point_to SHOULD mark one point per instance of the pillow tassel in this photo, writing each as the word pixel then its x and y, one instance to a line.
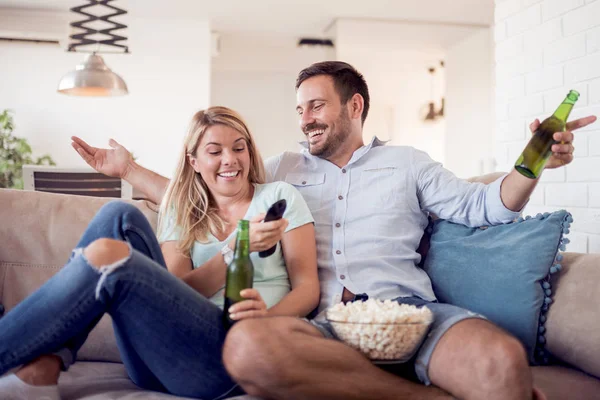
pixel 542 356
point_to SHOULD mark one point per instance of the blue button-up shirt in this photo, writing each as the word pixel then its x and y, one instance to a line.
pixel 370 215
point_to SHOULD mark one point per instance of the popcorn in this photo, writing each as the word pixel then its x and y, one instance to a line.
pixel 381 330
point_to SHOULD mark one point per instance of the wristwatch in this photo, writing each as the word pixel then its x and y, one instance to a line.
pixel 227 254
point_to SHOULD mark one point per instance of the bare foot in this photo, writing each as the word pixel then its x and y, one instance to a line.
pixel 43 371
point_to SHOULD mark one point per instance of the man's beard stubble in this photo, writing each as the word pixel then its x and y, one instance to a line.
pixel 336 136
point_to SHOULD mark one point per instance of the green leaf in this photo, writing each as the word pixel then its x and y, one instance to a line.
pixel 44 160
pixel 14 153
pixel 17 183
pixel 23 147
pixel 6 122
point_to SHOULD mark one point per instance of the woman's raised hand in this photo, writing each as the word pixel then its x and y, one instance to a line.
pixel 114 161
pixel 264 235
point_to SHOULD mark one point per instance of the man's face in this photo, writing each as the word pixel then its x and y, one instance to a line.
pixel 323 119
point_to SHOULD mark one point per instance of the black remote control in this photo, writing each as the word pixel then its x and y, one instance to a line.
pixel 275 212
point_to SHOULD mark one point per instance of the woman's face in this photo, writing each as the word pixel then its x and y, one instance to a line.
pixel 223 161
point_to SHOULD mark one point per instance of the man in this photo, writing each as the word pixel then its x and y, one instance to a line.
pixel 370 204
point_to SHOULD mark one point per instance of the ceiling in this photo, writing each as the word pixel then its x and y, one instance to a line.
pixel 293 17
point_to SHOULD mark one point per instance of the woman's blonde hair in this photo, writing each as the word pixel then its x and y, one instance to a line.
pixel 188 201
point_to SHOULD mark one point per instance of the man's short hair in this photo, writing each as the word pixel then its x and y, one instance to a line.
pixel 347 81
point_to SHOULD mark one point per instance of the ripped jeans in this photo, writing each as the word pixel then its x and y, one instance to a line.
pixel 170 337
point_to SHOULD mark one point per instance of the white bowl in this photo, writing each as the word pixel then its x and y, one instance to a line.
pixel 396 342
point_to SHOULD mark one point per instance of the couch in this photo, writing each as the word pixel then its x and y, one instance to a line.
pixel 52 224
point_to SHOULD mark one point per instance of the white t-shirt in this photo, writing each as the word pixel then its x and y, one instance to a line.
pixel 270 274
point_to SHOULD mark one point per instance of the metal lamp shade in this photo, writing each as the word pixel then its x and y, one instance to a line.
pixel 92 78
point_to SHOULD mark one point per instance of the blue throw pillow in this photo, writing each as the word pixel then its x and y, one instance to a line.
pixel 502 272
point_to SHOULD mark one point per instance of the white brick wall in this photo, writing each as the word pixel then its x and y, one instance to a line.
pixel 523 21
pixel 554 97
pixel 528 106
pixel 566 49
pixel 544 48
pixel 594 195
pixel 595 92
pixel 507 8
pixel 594 145
pixel 554 8
pixel 584 169
pixel 584 68
pixel 594 243
pixel 547 78
pixel 581 19
pixel 567 194
pixel 593 39
pixel 537 38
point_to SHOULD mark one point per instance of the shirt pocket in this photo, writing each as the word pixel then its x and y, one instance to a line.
pixel 381 186
pixel 310 186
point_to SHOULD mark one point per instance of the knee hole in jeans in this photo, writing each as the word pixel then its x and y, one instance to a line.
pixel 102 252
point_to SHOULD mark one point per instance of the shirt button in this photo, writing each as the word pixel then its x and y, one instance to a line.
pixel 342 277
pixel 344 170
pixel 341 197
pixel 338 252
pixel 338 225
pixel 304 182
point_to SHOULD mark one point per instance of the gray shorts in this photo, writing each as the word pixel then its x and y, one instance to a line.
pixel 444 317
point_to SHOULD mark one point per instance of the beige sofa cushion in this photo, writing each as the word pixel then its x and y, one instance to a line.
pixel 108 381
pixel 560 383
pixel 42 228
pixel 38 232
pixel 574 319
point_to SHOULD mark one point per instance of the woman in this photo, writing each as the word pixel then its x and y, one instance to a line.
pixel 165 302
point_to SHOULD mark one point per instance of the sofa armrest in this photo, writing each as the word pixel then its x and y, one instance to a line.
pixel 573 325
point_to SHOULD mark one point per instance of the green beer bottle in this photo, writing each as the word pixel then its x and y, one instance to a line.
pixel 240 272
pixel 538 150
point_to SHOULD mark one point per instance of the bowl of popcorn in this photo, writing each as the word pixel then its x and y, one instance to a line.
pixel 381 330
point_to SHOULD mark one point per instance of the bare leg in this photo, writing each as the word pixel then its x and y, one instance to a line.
pixel 287 358
pixel 43 371
pixel 477 360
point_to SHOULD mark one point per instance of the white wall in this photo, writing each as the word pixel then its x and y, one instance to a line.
pixel 167 72
pixel 543 49
pixel 255 75
pixel 394 58
pixel 469 104
pixel 399 84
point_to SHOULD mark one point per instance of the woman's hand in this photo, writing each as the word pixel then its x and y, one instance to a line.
pixel 111 162
pixel 265 235
pixel 253 307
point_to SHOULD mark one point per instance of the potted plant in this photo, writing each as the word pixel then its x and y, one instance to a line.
pixel 14 153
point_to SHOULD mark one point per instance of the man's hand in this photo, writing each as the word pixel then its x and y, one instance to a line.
pixel 112 162
pixel 562 154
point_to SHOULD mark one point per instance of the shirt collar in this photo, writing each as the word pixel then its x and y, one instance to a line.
pixel 375 142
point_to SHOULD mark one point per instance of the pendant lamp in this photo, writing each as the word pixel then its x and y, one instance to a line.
pixel 93 77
